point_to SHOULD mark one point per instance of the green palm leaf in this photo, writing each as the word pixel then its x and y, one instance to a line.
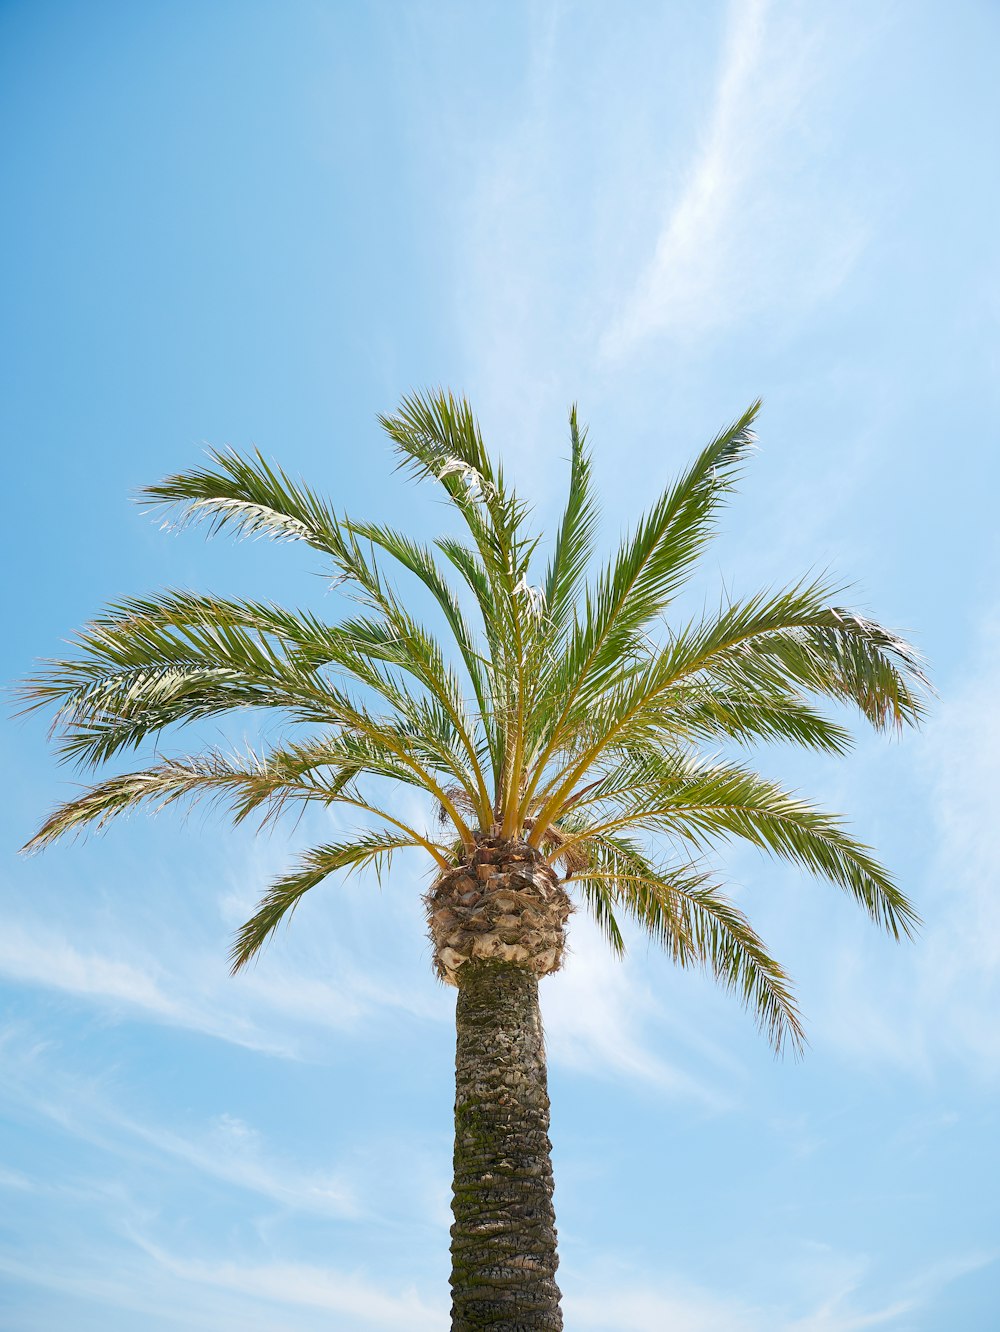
pixel 686 914
pixel 374 850
pixel 575 539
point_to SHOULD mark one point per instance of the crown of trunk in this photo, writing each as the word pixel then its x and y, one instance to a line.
pixel 503 903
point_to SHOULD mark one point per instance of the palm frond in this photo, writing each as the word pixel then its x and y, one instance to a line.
pixel 635 588
pixel 575 538
pixel 695 923
pixel 210 776
pixel 139 674
pixel 797 637
pixel 375 849
pixel 702 804
pixel 437 436
pixel 706 712
pixel 771 644
pixel 250 497
pixel 600 899
pixel 322 772
pixel 420 561
pixel 653 563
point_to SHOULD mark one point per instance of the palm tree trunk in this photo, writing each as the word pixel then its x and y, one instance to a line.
pixel 503 1243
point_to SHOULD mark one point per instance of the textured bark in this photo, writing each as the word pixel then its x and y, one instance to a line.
pixel 504 1238
pixel 503 903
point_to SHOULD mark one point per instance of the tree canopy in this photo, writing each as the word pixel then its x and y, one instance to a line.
pixel 559 703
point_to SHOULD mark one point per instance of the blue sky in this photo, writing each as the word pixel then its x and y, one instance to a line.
pixel 261 224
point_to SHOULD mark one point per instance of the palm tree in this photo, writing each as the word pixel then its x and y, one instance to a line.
pixel 564 732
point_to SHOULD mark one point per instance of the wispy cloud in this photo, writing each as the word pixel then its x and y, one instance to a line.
pixel 167 963
pixel 601 1019
pixel 191 997
pixel 297 1284
pixel 126 1188
pixel 14 1179
pixel 962 761
pixel 39 956
pixel 225 1148
pixel 832 1297
pixel 233 1151
pixel 173 1291
pixel 679 191
pixel 746 231
pixel 650 1309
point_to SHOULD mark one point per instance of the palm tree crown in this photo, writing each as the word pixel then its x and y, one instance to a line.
pixel 563 717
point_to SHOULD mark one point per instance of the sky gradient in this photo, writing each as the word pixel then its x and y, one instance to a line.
pixel 260 224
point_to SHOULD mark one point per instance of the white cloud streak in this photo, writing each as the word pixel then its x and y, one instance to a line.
pixel 831 1294
pixel 193 997
pixel 601 1019
pixel 590 231
pixel 744 233
pixel 171 1291
pixel 297 1284
pixel 234 1152
pixel 226 1149
pixel 167 963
